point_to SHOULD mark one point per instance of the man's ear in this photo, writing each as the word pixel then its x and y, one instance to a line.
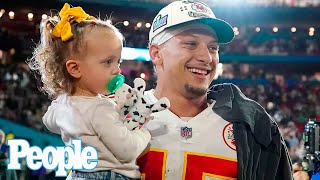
pixel 73 68
pixel 154 52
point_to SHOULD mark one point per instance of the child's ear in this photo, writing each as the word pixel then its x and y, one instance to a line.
pixel 73 68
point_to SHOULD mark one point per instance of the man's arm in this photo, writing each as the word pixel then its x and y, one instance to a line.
pixel 285 165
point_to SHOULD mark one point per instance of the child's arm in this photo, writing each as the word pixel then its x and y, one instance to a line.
pixel 126 145
pixel 49 121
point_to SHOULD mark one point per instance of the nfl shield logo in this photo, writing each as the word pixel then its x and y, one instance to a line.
pixel 186 132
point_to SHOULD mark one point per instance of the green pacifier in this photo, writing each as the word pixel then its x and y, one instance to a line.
pixel 115 83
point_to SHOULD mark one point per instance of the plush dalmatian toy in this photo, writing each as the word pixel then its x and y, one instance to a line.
pixel 131 104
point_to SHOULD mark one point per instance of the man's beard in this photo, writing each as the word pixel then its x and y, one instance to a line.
pixel 194 92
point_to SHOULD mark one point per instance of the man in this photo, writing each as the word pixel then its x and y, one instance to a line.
pixel 222 135
pixel 302 175
pixel 4 172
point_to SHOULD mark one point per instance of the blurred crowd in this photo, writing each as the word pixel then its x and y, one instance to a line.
pixel 299 3
pixel 281 43
pixel 248 42
pixel 291 106
pixel 288 101
pixel 20 98
pixel 291 99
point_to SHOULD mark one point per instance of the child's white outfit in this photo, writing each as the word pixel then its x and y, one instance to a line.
pixel 95 121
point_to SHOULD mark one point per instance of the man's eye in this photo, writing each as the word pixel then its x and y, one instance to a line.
pixel 214 48
pixel 191 43
pixel 108 62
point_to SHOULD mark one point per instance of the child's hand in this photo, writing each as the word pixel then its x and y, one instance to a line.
pixel 141 111
pixel 125 97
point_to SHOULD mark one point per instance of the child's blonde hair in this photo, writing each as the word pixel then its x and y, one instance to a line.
pixel 50 55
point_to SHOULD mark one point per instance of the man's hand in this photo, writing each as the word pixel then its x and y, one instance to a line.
pixel 299 174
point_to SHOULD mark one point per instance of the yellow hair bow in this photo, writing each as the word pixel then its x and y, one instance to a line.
pixel 63 28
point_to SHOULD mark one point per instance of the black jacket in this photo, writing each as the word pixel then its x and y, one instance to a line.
pixel 261 151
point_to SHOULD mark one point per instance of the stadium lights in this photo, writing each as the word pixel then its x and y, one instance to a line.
pixel 143 75
pixel 139 24
pixel 2 11
pixel 12 51
pixel 275 29
pixel 11 15
pixel 219 71
pixel 311 33
pixel 270 105
pixel 235 29
pixel 126 23
pixel 30 16
pixel 44 16
pixel 135 54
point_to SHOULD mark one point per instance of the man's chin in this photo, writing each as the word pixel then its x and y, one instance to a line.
pixel 195 91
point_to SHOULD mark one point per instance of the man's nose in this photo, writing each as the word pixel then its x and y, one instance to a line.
pixel 203 54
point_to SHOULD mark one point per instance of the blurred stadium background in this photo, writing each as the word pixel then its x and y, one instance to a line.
pixel 274 58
